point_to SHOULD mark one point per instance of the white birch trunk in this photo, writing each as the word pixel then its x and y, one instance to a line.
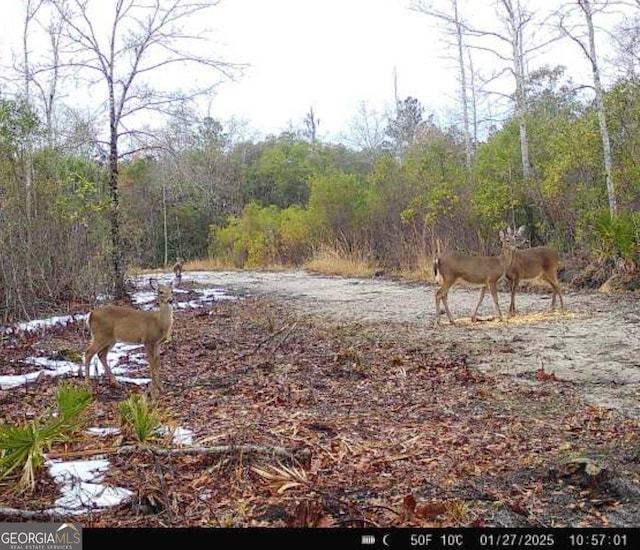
pixel 586 7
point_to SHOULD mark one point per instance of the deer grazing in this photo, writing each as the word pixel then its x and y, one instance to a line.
pixel 110 324
pixel 529 263
pixel 476 270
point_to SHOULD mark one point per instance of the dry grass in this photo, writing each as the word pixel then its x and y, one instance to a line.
pixel 333 263
pixel 206 264
pixel 542 316
pixel 421 272
pixel 327 262
pixel 209 264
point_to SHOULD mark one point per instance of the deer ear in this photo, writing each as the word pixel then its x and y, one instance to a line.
pixel 152 283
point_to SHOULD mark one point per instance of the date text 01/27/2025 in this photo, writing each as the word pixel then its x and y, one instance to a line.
pixel 550 539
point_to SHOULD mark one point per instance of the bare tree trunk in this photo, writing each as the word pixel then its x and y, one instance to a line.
pixel 455 27
pixel 516 20
pixel 589 50
pixel 311 124
pixel 474 102
pixel 164 222
pixel 602 119
pixel 114 191
pixel 49 96
pixel 463 89
pixel 31 10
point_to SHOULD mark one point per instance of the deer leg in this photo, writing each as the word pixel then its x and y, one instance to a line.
pixel 494 295
pixel 512 303
pixel 102 356
pixel 475 311
pixel 88 356
pixel 438 299
pixel 441 296
pixel 154 366
pixel 555 286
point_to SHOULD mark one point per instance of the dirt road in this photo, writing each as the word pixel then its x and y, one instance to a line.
pixel 594 344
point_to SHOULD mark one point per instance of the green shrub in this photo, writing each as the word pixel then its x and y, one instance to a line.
pixel 616 236
pixel 141 417
pixel 24 447
pixel 72 398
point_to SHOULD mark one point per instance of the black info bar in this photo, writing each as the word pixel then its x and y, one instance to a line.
pixel 370 539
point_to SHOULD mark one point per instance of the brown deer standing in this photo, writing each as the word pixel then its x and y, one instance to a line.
pixel 477 270
pixel 178 268
pixel 529 263
pixel 110 324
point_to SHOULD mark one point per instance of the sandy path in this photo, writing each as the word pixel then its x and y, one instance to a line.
pixel 595 344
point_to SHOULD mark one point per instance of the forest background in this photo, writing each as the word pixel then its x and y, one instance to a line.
pixel 87 197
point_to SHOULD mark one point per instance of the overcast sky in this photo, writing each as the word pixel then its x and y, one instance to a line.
pixel 331 55
pixel 335 54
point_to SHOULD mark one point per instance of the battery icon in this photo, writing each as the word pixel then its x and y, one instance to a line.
pixel 368 539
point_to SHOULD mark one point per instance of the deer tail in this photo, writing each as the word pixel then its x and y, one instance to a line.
pixel 436 270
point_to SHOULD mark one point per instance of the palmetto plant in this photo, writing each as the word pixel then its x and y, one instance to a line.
pixel 72 399
pixel 23 448
pixel 141 417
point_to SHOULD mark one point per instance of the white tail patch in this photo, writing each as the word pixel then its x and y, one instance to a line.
pixel 436 268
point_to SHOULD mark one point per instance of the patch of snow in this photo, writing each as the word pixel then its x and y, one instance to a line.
pixel 81 485
pixel 10 381
pixel 120 357
pixel 136 381
pixel 180 436
pixel 38 324
pixel 52 367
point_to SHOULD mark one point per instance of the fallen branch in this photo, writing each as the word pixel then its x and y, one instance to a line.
pixel 32 514
pixel 301 455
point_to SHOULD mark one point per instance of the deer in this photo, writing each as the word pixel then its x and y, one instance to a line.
pixel 486 271
pixel 109 324
pixel 178 268
pixel 530 263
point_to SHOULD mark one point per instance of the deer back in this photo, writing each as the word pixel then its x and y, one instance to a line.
pixel 531 262
pixel 113 323
pixel 473 269
pixel 122 324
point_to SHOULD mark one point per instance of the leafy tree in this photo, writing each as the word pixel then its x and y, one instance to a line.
pixel 337 208
pixel 405 125
pixel 498 192
pixel 142 40
pixel 280 174
pixel 436 173
pixel 295 235
pixel 251 240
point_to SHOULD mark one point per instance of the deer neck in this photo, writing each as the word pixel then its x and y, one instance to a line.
pixel 165 314
pixel 506 258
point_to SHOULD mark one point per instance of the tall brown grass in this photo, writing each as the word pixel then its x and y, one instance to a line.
pixel 332 261
pixel 327 261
